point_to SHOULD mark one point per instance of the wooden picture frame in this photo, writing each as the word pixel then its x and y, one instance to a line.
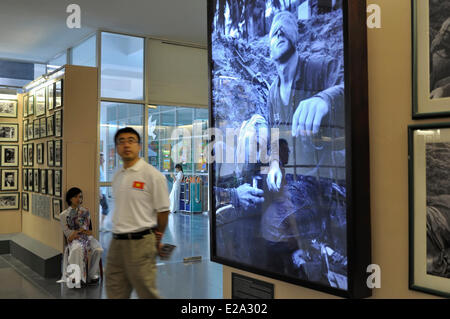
pixel 9 132
pixel 41 101
pixel 58 153
pixel 25 202
pixel 8 108
pixel 9 179
pixel 9 155
pixel 429 208
pixel 50 153
pixel 56 208
pixel 57 182
pixel 9 201
pixel 58 123
pixel 40 153
pixel 431 85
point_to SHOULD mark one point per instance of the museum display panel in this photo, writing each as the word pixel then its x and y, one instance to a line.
pixel 289 177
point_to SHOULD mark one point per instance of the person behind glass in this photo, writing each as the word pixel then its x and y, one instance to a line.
pixel 103 200
pixel 84 249
pixel 175 193
pixel 139 219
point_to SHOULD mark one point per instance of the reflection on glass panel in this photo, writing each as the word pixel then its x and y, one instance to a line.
pixel 122 69
pixel 106 208
pixel 57 62
pixel 114 116
pixel 85 53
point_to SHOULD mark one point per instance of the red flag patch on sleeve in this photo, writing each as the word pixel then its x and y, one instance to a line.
pixel 138 185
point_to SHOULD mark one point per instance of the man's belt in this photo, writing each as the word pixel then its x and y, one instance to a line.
pixel 138 235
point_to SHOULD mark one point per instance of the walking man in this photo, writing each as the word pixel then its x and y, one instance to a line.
pixel 139 220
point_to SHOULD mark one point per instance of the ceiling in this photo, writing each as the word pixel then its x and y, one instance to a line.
pixel 36 30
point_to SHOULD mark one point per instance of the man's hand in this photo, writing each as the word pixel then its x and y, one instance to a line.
pixel 308 116
pixel 274 177
pixel 249 196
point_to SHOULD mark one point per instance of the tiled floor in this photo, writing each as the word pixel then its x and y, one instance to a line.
pixel 176 279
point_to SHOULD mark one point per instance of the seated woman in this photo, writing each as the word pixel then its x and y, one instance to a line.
pixel 84 249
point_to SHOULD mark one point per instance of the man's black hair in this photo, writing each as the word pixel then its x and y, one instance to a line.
pixel 71 193
pixel 127 130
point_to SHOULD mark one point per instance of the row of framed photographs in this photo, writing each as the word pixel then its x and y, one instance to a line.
pixel 54 153
pixel 45 98
pixel 14 197
pixel 43 181
pixel 43 127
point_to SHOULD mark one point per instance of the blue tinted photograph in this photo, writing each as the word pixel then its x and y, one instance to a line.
pixel 278 110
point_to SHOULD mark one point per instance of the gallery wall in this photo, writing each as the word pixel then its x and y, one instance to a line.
pixel 390 104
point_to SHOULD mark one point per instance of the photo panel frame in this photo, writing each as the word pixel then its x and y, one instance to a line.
pixel 59 93
pixel 57 182
pixel 431 72
pixel 40 153
pixel 9 201
pixel 41 101
pixel 30 131
pixel 25 179
pixel 9 179
pixel 328 247
pixel 25 154
pixel 31 104
pixel 25 130
pixel 30 180
pixel 9 132
pixel 50 153
pixel 42 127
pixel 31 154
pixel 9 155
pixel 56 208
pixel 8 108
pixel 43 181
pixel 25 202
pixel 36 129
pixel 51 96
pixel 58 123
pixel 429 208
pixel 36 180
pixel 58 153
pixel 50 182
pixel 50 125
pixel 25 105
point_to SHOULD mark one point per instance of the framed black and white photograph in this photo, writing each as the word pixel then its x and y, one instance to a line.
pixel 9 179
pixel 50 182
pixel 51 96
pixel 30 131
pixel 431 58
pixel 50 153
pixel 24 179
pixel 31 104
pixel 30 180
pixel 9 155
pixel 8 108
pixel 25 106
pixel 57 207
pixel 58 123
pixel 40 102
pixel 25 130
pixel 9 201
pixel 58 153
pixel 57 182
pixel 36 180
pixel 40 153
pixel 429 208
pixel 43 181
pixel 43 127
pixel 59 94
pixel 25 202
pixel 25 154
pixel 36 129
pixel 9 132
pixel 50 125
pixel 283 204
pixel 31 154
